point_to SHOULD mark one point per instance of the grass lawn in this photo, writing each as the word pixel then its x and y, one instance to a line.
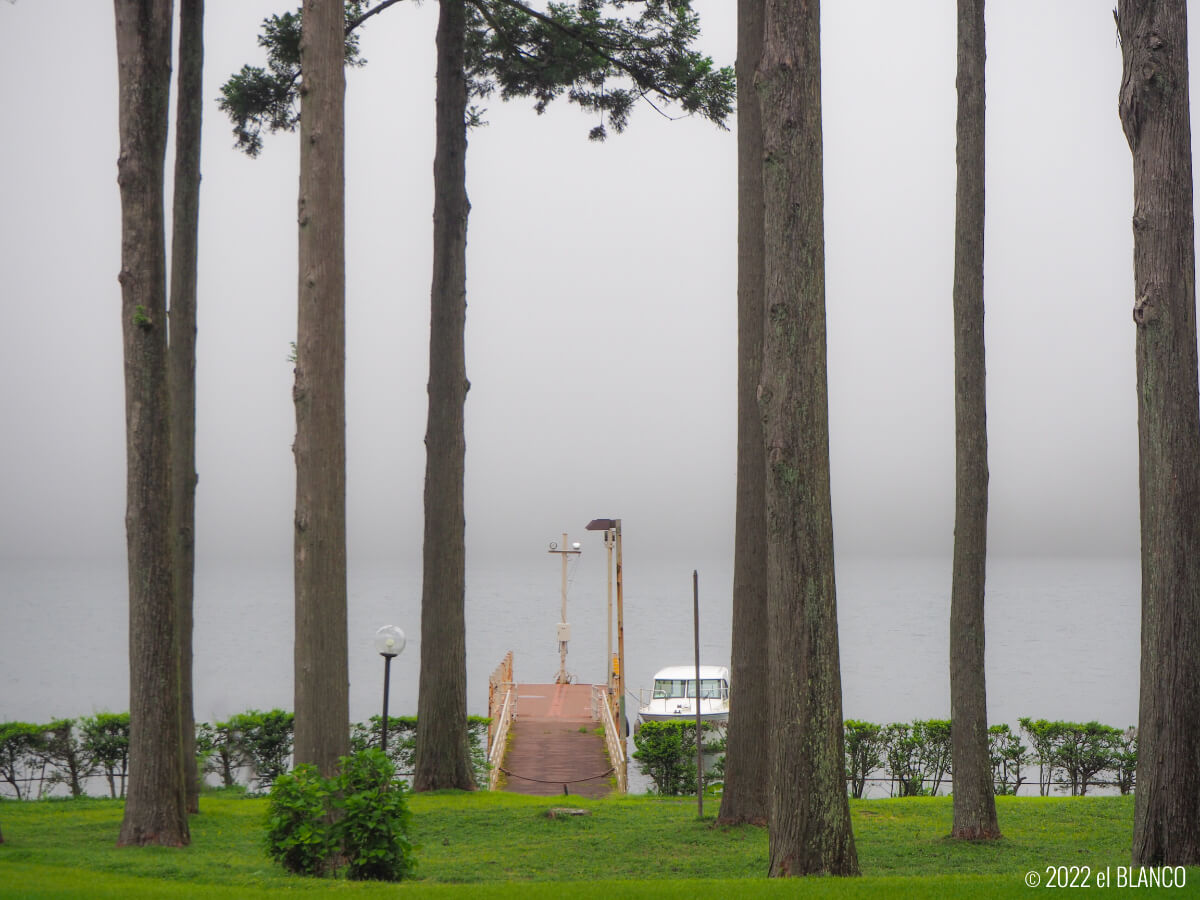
pixel 503 845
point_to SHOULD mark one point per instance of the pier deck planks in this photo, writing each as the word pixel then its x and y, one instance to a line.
pixel 554 743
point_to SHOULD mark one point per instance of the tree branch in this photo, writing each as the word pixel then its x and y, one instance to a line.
pixel 373 12
pixel 586 41
pixel 554 23
pixel 487 17
pixel 654 106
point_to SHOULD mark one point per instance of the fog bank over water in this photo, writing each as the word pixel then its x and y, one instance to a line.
pixel 601 339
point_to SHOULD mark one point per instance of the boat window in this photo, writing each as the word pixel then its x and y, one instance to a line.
pixel 670 688
pixel 666 688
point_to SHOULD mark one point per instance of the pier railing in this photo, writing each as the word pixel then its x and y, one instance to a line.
pixel 602 712
pixel 502 701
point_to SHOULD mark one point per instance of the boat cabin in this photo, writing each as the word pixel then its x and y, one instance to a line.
pixel 673 696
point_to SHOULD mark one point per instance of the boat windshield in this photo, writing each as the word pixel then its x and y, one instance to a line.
pixel 670 688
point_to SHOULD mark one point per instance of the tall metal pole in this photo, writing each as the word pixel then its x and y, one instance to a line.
pixel 622 725
pixel 608 659
pixel 612 535
pixel 564 630
pixel 561 678
pixel 699 742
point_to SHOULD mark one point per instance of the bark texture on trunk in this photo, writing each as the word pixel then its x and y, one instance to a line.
pixel 442 752
pixel 745 799
pixel 322 730
pixel 1155 116
pixel 810 814
pixel 155 811
pixel 974 796
pixel 182 357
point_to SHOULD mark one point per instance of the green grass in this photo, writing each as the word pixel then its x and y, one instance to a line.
pixel 503 845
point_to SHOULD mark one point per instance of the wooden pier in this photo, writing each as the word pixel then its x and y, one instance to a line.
pixel 553 739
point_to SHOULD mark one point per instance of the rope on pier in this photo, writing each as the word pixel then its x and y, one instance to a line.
pixel 555 780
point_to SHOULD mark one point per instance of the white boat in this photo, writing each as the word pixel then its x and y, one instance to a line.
pixel 673 697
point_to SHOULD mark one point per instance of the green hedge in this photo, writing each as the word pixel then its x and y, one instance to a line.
pixel 357 821
pixel 914 759
pixel 252 748
pixel 666 754
pixel 255 747
pixel 402 742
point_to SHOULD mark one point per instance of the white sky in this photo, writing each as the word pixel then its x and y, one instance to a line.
pixel 601 288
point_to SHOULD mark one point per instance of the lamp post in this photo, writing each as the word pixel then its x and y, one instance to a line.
pixel 608 545
pixel 389 641
pixel 612 532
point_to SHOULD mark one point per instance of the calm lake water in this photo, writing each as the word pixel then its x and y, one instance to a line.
pixel 1062 633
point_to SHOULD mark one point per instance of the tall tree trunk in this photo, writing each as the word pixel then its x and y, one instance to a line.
pixel 810 813
pixel 322 723
pixel 155 811
pixel 974 796
pixel 182 357
pixel 442 754
pixel 746 795
pixel 1155 117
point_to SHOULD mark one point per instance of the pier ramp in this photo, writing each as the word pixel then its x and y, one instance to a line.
pixel 556 746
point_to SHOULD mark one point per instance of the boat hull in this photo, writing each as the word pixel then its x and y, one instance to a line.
pixel 716 717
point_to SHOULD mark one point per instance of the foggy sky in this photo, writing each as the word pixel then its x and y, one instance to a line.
pixel 601 289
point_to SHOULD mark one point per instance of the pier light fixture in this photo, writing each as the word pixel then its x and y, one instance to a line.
pixel 389 641
pixel 616 666
pixel 564 629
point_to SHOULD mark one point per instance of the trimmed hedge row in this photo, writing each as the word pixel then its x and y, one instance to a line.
pixel 914 758
pixel 1072 756
pixel 251 748
pixel 66 752
pixel 255 747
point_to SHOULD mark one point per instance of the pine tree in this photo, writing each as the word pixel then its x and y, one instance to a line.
pixel 182 357
pixel 155 807
pixel 810 813
pixel 322 684
pixel 745 798
pixel 974 800
pixel 1156 118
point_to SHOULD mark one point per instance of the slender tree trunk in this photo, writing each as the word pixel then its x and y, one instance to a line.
pixel 182 357
pixel 1155 117
pixel 974 796
pixel 746 795
pixel 155 810
pixel 810 813
pixel 322 714
pixel 442 754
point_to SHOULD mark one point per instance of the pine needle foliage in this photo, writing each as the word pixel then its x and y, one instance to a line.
pixel 602 55
pixel 258 99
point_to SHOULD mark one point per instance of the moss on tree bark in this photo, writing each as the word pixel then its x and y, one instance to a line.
pixel 1156 119
pixel 810 814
